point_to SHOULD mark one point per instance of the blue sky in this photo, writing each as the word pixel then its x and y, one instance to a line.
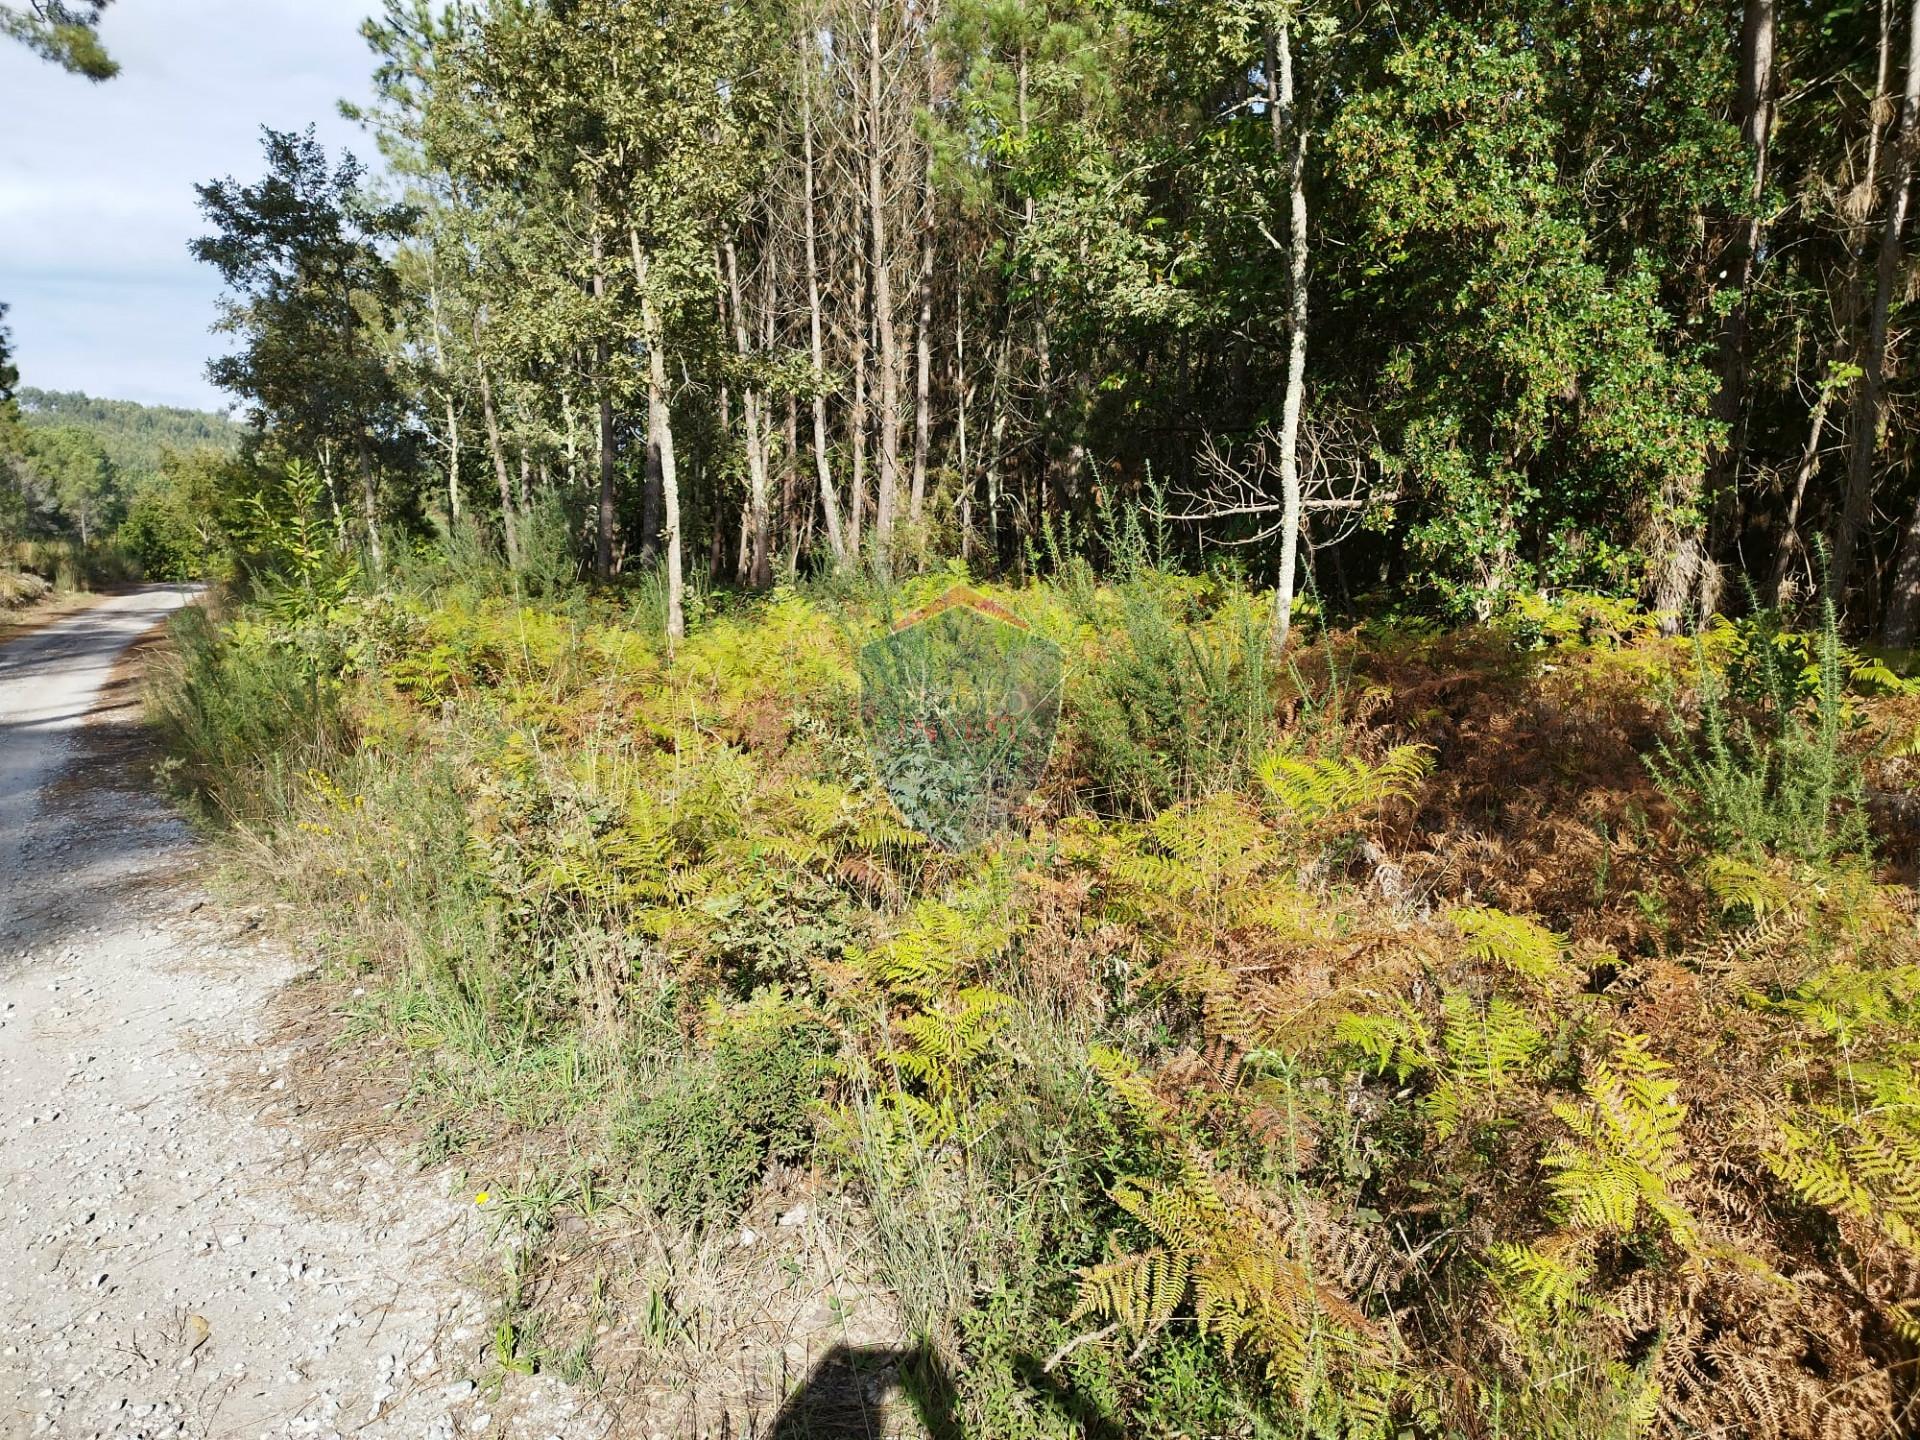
pixel 96 181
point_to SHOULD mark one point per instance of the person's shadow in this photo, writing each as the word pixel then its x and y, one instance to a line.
pixel 855 1393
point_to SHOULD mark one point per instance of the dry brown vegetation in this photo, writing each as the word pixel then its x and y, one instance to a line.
pixel 1422 1067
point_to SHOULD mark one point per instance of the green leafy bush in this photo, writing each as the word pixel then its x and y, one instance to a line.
pixel 704 1133
pixel 241 712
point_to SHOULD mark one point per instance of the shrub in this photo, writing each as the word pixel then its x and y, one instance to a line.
pixel 704 1133
pixel 1171 709
pixel 1781 781
pixel 241 712
pixel 159 535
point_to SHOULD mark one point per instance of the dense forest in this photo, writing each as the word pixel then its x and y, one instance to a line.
pixel 1228 685
pixel 102 489
pixel 1425 308
pixel 134 437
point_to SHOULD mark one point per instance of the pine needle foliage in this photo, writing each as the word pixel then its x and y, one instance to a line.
pixel 1779 782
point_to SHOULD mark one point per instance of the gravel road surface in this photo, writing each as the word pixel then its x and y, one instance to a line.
pixel 180 1254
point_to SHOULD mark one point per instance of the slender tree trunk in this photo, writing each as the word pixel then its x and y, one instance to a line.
pixel 1755 111
pixel 603 382
pixel 758 568
pixel 572 437
pixel 1869 415
pixel 370 502
pixel 881 267
pixel 829 502
pixel 1790 545
pixel 1855 298
pixel 923 329
pixel 333 495
pixel 790 482
pixel 1688 578
pixel 651 500
pixel 1042 337
pixel 453 422
pixel 1290 140
pixel 499 454
pixel 453 462
pixel 660 427
pixel 962 392
pixel 997 444
pixel 923 368
pixel 857 426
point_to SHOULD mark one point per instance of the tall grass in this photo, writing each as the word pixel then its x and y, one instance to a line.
pixel 244 716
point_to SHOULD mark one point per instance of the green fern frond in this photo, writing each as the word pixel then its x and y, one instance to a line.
pixel 1395 1040
pixel 1547 1277
pixel 1125 1082
pixel 1627 1154
pixel 1344 788
pixel 1760 890
pixel 1514 942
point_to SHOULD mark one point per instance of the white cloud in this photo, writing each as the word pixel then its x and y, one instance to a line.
pixel 96 181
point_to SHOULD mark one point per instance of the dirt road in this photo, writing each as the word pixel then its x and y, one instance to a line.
pixel 178 1256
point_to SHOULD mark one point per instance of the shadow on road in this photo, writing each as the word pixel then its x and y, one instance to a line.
pixel 855 1393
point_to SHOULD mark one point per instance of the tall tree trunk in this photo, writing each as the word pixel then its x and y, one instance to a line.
pixel 573 438
pixel 453 421
pixel 758 567
pixel 923 327
pixel 829 502
pixel 963 392
pixel 857 424
pixel 1870 398
pixel 603 382
pixel 651 500
pixel 1754 109
pixel 1858 207
pixel 660 427
pixel 369 501
pixel 1042 337
pixel 1290 140
pixel 881 268
pixel 790 482
pixel 499 454
pixel 923 365
pixel 997 444
pixel 1688 578
pixel 453 462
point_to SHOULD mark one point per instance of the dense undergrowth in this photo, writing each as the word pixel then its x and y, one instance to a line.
pixel 1502 1032
pixel 33 569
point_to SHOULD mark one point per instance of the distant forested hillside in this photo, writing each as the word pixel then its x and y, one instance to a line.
pixel 133 435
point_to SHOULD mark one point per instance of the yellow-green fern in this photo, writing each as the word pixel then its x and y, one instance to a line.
pixel 1344 788
pixel 1625 1155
